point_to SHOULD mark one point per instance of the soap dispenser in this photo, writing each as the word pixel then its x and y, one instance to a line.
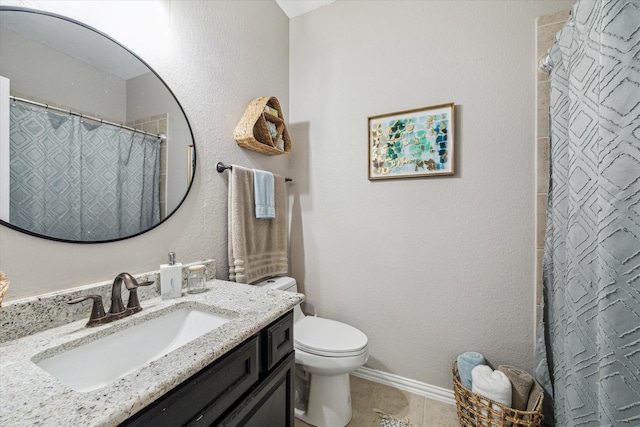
pixel 171 278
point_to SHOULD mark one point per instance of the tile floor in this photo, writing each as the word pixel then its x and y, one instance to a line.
pixel 421 412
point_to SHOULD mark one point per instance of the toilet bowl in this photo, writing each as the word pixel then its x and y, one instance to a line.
pixel 328 351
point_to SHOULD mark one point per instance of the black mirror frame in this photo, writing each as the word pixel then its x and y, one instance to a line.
pixel 195 160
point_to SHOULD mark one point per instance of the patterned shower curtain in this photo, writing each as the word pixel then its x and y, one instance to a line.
pixel 588 352
pixel 73 180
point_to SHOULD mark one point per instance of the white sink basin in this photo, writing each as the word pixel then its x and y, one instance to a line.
pixel 99 363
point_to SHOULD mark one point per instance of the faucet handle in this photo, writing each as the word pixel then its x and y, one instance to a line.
pixel 147 283
pixel 134 303
pixel 130 282
pixel 97 310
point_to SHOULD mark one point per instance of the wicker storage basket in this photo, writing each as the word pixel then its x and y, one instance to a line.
pixel 252 131
pixel 475 410
pixel 4 286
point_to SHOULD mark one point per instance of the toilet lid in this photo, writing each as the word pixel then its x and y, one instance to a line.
pixel 327 337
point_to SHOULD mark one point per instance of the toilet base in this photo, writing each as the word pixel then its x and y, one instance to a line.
pixel 329 401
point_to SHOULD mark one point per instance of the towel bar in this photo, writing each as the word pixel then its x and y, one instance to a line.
pixel 221 167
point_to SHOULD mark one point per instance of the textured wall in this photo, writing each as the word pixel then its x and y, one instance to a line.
pixel 216 56
pixel 427 267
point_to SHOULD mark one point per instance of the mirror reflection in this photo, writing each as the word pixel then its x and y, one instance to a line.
pixel 94 146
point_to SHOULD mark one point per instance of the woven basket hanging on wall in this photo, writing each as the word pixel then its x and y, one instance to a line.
pixel 252 131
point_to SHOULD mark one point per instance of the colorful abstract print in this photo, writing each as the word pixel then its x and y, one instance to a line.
pixel 412 145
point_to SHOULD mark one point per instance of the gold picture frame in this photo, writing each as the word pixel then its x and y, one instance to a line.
pixel 413 143
pixel 191 165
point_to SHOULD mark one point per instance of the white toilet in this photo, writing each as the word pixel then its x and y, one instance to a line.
pixel 328 351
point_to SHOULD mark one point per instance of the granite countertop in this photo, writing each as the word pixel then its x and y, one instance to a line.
pixel 29 396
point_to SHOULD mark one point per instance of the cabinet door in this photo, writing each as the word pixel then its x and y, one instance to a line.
pixel 279 340
pixel 270 404
pixel 206 395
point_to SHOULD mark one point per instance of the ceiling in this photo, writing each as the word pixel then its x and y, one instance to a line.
pixel 295 8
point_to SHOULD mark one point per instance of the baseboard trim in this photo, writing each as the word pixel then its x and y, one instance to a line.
pixel 416 387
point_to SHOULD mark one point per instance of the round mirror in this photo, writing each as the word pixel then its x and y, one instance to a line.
pixel 94 147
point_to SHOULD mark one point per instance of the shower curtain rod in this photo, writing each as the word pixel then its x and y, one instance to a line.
pixel 162 136
pixel 220 167
pixel 545 64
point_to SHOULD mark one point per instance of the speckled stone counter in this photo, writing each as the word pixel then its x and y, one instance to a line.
pixel 29 396
pixel 34 314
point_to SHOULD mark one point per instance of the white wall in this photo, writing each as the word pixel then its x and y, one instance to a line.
pixel 80 86
pixel 216 56
pixel 428 267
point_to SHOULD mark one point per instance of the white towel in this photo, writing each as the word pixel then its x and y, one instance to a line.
pixel 494 385
pixel 257 248
pixel 263 193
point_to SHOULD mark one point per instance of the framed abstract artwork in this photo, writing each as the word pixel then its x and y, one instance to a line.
pixel 413 143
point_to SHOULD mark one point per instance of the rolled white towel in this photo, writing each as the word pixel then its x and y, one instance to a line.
pixel 494 385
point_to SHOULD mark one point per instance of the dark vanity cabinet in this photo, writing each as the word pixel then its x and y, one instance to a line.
pixel 250 386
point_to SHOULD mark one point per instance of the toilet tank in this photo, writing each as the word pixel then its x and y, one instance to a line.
pixel 279 283
pixel 287 284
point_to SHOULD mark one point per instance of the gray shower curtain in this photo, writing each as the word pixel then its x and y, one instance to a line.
pixel 74 180
pixel 588 352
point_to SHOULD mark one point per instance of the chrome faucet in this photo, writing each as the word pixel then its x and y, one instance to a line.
pixel 117 310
